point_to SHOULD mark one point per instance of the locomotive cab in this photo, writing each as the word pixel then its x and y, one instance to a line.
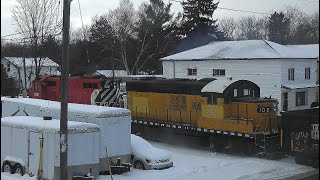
pixel 40 88
pixel 240 106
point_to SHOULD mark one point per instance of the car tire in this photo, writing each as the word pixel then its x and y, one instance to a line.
pixel 139 165
pixel 7 167
pixel 17 168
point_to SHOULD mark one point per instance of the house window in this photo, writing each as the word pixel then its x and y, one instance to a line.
pixel 90 85
pixel 300 98
pixel 192 72
pixel 51 83
pixel 36 87
pixel 307 73
pixel 219 72
pixel 291 74
pixel 8 67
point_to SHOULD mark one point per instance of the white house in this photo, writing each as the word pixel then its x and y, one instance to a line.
pixel 15 68
pixel 288 73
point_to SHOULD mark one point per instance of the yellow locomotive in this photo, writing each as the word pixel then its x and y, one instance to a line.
pixel 218 108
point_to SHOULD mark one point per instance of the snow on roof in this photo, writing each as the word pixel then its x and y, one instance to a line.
pixel 18 61
pixel 312 49
pixel 217 86
pixel 108 73
pixel 87 110
pixel 37 123
pixel 247 49
pixel 300 85
pixel 123 73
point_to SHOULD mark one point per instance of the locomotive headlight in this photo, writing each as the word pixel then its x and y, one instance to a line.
pixel 274 107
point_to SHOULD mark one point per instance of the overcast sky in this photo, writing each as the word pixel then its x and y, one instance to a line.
pixel 90 8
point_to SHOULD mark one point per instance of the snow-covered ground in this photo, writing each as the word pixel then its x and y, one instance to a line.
pixel 190 164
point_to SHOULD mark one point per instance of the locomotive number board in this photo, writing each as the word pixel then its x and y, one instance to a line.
pixel 264 109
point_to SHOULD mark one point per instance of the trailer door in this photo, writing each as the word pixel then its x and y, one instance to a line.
pixel 34 152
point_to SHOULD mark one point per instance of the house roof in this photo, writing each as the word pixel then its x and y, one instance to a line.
pixel 299 85
pixel 312 49
pixel 18 61
pixel 247 49
pixel 108 73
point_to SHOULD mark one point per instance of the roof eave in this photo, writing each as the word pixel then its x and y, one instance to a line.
pixel 235 59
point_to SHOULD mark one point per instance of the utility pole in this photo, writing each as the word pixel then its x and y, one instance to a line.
pixel 64 91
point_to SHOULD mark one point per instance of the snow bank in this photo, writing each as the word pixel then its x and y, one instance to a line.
pixel 193 164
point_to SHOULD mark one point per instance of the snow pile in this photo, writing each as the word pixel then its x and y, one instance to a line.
pixel 8 176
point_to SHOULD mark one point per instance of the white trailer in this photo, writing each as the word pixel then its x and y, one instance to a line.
pixel 31 145
pixel 115 125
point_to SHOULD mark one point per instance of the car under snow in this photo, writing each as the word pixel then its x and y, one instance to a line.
pixel 146 156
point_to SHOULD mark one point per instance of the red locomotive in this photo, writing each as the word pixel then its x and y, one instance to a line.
pixel 88 89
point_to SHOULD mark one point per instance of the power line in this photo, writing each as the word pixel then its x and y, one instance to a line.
pixel 84 33
pixel 231 9
pixel 239 10
pixel 83 30
pixel 10 35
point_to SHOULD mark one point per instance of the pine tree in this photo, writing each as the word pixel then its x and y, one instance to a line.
pixel 155 36
pixel 278 28
pixel 8 85
pixel 198 26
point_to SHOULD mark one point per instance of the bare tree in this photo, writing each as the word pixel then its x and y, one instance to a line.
pixel 252 28
pixel 35 20
pixel 315 26
pixel 122 20
pixel 228 26
pixel 79 34
pixel 304 28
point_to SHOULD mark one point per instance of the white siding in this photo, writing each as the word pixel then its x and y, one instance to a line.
pixel 168 67
pixel 268 74
pixel 299 66
pixel 18 72
pixel 311 95
pixel 265 73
